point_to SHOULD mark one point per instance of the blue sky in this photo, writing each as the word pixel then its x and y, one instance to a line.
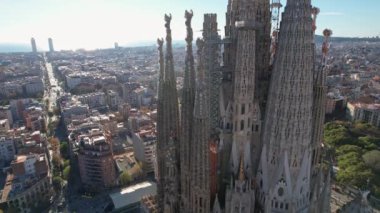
pixel 99 23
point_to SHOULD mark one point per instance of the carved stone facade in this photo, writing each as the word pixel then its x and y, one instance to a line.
pixel 284 172
pixel 266 121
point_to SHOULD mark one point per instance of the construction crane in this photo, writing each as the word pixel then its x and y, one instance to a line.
pixel 275 11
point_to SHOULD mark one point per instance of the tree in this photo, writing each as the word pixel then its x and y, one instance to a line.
pixel 342 150
pixel 57 161
pixel 357 175
pixel 57 183
pixel 336 135
pixel 125 178
pixel 348 160
pixel 64 148
pixel 368 142
pixel 66 163
pixel 66 173
pixel 372 160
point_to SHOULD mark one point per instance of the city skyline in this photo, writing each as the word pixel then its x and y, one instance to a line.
pixel 98 24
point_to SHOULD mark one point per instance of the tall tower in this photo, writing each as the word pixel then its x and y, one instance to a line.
pixel 212 67
pixel 34 46
pixel 187 110
pixel 284 172
pixel 243 102
pixel 320 176
pixel 168 129
pixel 200 160
pixel 229 56
pixel 51 47
pixel 246 66
pixel 262 58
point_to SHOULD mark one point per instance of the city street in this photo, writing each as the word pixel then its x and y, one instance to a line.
pixel 51 92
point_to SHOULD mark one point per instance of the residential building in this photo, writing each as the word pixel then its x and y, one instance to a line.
pixel 6 113
pixel 29 182
pixel 34 119
pixel 369 113
pixel 7 149
pixel 96 163
pixel 144 145
pixel 112 99
pixel 93 100
pixel 4 125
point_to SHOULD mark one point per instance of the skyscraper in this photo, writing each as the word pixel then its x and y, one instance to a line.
pixel 51 47
pixel 34 46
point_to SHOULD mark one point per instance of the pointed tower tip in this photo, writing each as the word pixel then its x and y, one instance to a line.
pixel 160 42
pixel 241 168
pixel 189 14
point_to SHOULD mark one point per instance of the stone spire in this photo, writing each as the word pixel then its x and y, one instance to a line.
pixel 320 91
pixel 284 173
pixel 244 103
pixel 263 41
pixel 320 176
pixel 212 67
pixel 232 15
pixel 187 110
pixel 168 130
pixel 200 161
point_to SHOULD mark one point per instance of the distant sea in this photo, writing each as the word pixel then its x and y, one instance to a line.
pixel 14 47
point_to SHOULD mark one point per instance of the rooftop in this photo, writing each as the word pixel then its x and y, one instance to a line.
pixel 133 194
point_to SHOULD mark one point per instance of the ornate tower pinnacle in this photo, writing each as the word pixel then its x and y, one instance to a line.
pixel 168 130
pixel 187 110
pixel 169 64
pixel 200 161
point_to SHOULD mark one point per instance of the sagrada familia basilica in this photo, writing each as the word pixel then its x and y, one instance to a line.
pixel 245 133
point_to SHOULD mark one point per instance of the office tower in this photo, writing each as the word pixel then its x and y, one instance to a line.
pixel 34 46
pixel 51 47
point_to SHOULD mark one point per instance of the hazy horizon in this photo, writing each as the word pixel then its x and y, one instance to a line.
pixel 96 24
